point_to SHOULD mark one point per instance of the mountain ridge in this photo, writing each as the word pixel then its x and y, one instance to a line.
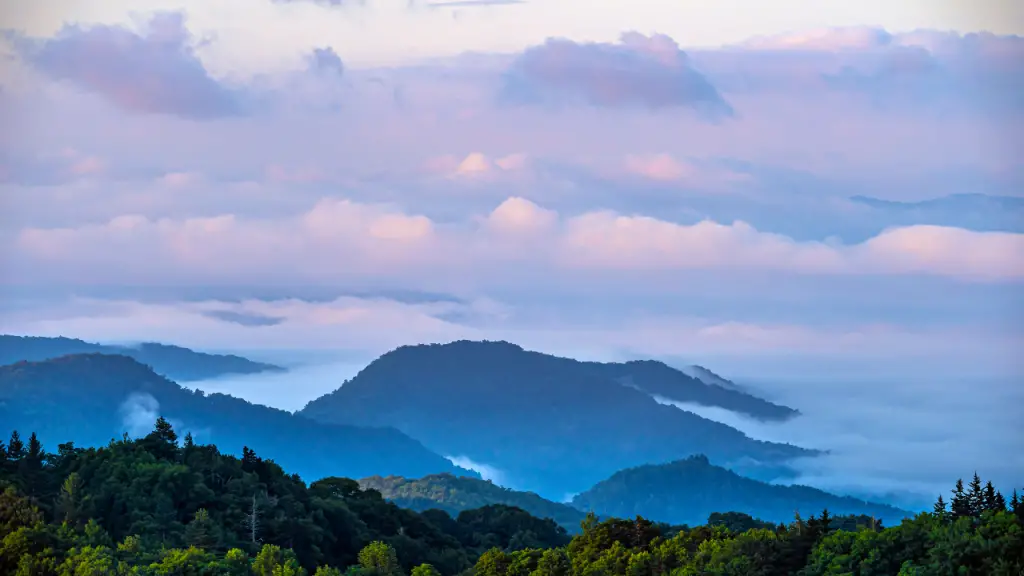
pixel 175 362
pixel 542 420
pixel 687 491
pixel 117 391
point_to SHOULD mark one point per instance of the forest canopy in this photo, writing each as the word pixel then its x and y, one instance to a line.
pixel 162 505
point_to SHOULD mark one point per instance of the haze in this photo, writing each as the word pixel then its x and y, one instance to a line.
pixel 820 200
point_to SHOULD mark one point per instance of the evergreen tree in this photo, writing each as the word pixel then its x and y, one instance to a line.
pixel 825 521
pixel 990 502
pixel 1000 502
pixel 976 497
pixel 940 508
pixel 959 506
pixel 15 448
pixel 165 431
pixel 34 456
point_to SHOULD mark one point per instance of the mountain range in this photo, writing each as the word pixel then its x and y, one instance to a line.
pixel 688 491
pixel 551 426
pixel 93 398
pixel 547 424
pixel 174 362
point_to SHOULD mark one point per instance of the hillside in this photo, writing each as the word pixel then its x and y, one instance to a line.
pixel 688 491
pixel 455 494
pixel 178 364
pixel 549 425
pixel 161 505
pixel 92 398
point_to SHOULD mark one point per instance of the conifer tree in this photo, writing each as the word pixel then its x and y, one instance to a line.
pixel 34 455
pixel 15 448
pixel 940 508
pixel 959 506
pixel 991 503
pixel 976 497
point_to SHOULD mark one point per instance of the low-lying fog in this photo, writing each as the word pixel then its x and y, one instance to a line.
pixel 898 439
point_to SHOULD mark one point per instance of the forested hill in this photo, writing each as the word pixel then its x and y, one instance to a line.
pixel 92 398
pixel 551 425
pixel 163 505
pixel 455 494
pixel 178 364
pixel 688 491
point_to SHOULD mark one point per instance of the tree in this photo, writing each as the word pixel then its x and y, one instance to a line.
pixel 69 500
pixel 976 497
pixel 991 501
pixel 201 532
pixel 425 570
pixel 273 561
pixel 380 559
pixel 165 431
pixel 327 571
pixel 15 448
pixel 34 456
pixel 939 509
pixel 959 505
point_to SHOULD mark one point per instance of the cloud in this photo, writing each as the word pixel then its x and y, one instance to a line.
pixel 139 412
pixel 887 437
pixel 473 3
pixel 153 71
pixel 648 72
pixel 485 471
pixel 339 237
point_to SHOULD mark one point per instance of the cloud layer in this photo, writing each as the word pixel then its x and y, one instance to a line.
pixel 856 200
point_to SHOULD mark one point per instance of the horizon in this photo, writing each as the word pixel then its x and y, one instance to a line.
pixel 821 201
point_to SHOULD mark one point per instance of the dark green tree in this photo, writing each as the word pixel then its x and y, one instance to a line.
pixel 15 448
pixel 959 506
pixel 976 496
pixel 939 509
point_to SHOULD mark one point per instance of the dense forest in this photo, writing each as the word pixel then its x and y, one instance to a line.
pixel 547 422
pixel 160 505
pixel 454 494
pixel 687 491
pixel 174 362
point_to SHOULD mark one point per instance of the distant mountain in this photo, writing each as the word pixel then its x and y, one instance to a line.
pixel 174 362
pixel 701 386
pixel 92 398
pixel 689 491
pixel 550 425
pixel 708 377
pixel 982 212
pixel 454 494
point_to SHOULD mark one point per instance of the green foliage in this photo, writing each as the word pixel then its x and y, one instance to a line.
pixel 455 494
pixel 151 508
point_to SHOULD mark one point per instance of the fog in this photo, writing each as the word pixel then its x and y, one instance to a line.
pixel 289 390
pixel 897 439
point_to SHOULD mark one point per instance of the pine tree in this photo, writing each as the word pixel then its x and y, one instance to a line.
pixel 69 501
pixel 940 508
pixel 15 448
pixel 959 506
pixel 1014 502
pixel 1000 502
pixel 34 455
pixel 826 520
pixel 976 497
pixel 990 503
pixel 165 431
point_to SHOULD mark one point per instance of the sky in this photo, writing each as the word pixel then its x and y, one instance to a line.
pixel 796 188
